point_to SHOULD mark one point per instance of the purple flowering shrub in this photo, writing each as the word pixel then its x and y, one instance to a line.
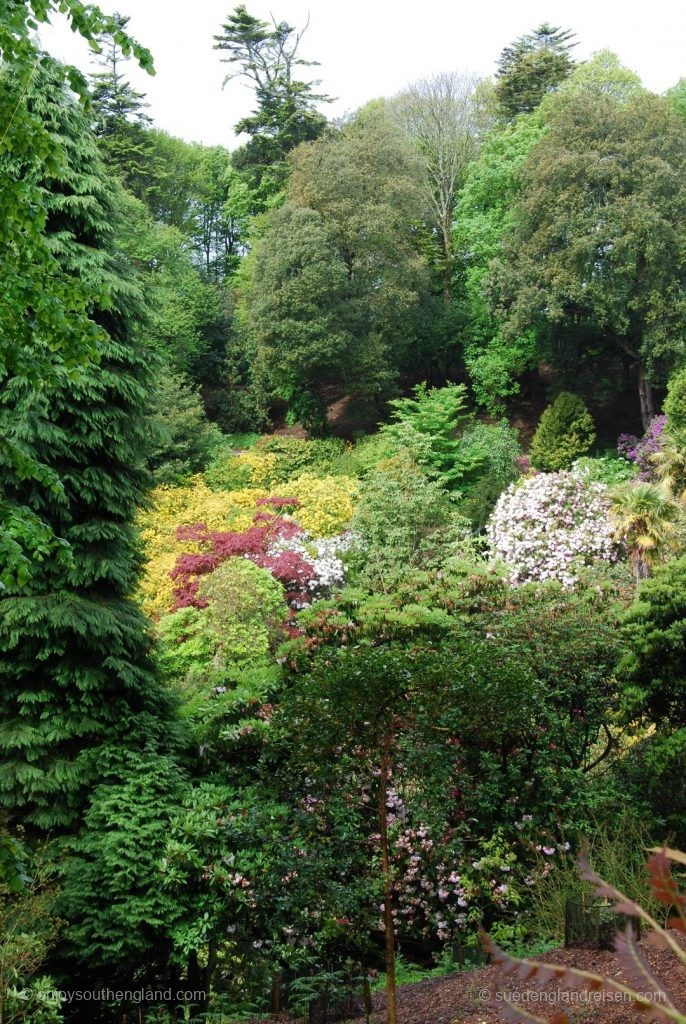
pixel 549 526
pixel 639 449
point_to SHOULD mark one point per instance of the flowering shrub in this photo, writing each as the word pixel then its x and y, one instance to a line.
pixel 640 449
pixel 172 507
pixel 324 509
pixel 327 503
pixel 549 526
pixel 438 893
pixel 306 569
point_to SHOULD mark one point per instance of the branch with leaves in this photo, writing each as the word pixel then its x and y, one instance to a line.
pixel 653 997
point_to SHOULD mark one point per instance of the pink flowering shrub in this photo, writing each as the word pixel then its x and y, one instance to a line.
pixel 640 449
pixel 549 526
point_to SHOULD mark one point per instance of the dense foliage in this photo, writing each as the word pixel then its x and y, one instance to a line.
pixel 342 575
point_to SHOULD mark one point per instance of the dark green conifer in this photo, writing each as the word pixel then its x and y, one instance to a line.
pixel 76 684
pixel 119 118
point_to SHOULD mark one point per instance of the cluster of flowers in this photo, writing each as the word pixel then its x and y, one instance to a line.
pixel 276 542
pixel 322 555
pixel 431 897
pixel 639 449
pixel 548 526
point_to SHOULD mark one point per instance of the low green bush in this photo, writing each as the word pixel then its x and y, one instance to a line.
pixel 605 469
pixel 296 455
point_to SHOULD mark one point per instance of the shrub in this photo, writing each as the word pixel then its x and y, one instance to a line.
pixel 609 470
pixel 183 642
pixel 428 425
pixel 272 461
pixel 293 455
pixel 500 467
pixel 551 525
pixel 674 405
pixel 306 568
pixel 640 450
pixel 360 459
pixel 245 611
pixel 239 626
pixel 654 671
pixel 172 507
pixel 327 503
pixel 405 522
pixel 565 431
pixel 227 473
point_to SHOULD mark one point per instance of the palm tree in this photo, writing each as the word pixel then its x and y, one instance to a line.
pixel 645 518
pixel 670 462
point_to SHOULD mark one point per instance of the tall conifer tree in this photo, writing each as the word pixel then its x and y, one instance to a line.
pixel 76 685
pixel 119 118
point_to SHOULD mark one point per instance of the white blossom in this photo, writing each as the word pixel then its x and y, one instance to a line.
pixel 549 526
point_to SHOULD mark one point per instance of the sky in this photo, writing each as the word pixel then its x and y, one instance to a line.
pixel 368 48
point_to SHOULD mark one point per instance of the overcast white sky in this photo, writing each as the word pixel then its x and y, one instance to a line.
pixel 370 48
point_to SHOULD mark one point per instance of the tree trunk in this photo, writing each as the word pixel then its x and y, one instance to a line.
pixel 645 394
pixel 391 1012
pixel 447 263
pixel 641 568
pixel 367 996
pixel 276 992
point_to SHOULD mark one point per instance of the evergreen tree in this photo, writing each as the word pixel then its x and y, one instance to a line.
pixel 119 117
pixel 185 440
pixel 74 670
pixel 597 235
pixel 286 114
pixel 534 65
pixel 44 332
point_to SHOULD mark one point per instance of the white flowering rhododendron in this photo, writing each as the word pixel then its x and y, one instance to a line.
pixel 322 555
pixel 549 526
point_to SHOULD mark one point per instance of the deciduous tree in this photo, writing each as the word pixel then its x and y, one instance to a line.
pixel 599 231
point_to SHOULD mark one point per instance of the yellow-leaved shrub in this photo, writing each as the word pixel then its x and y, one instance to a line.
pixel 328 502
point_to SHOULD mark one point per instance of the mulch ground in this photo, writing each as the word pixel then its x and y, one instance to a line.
pixel 471 997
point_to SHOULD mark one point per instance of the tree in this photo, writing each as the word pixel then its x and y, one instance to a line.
pixel 119 118
pixel 429 425
pixel 185 440
pixel 599 236
pixel 532 66
pixel 446 118
pixel 75 669
pixel 565 431
pixel 286 112
pixel 484 215
pixel 411 781
pixel 644 518
pixel 45 328
pixel 677 97
pixel 298 314
pixel 338 272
